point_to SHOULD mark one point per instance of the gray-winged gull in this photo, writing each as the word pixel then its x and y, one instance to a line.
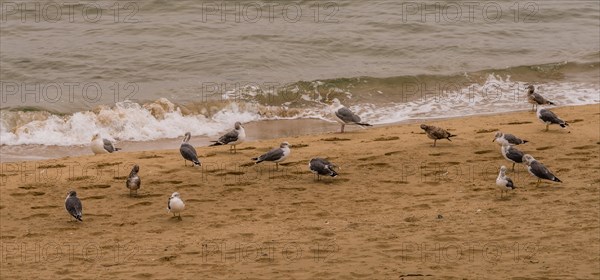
pixel 548 117
pixel 344 116
pixel 323 167
pixel 538 170
pixel 175 205
pixel 507 138
pixel 503 182
pixel 511 153
pixel 232 138
pixel 133 181
pixel 73 206
pixel 435 133
pixel 536 99
pixel 276 155
pixel 188 152
pixel 100 145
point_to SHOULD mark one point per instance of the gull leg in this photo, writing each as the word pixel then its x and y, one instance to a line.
pixel 343 125
pixel 513 169
pixel 547 127
pixel 234 149
pixel 179 217
pixel 538 183
pixel 434 140
pixel 277 166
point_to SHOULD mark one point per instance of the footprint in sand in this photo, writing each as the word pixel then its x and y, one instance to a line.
pixel 101 186
pixel 28 193
pixel 587 147
pixel 143 203
pixel 391 138
pixel 39 215
pixel 544 148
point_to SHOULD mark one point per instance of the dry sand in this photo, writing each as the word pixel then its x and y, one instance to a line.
pixel 399 209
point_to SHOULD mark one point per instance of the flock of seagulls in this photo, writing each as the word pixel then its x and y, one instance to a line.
pixel 322 167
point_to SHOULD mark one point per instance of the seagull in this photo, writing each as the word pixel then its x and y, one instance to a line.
pixel 503 182
pixel 276 155
pixel 100 145
pixel 188 152
pixel 175 205
pixel 232 138
pixel 548 117
pixel 538 170
pixel 435 133
pixel 320 167
pixel 73 206
pixel 133 181
pixel 344 116
pixel 536 99
pixel 509 139
pixel 511 153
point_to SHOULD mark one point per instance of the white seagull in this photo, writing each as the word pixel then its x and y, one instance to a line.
pixel 509 139
pixel 175 205
pixel 133 181
pixel 344 116
pixel 100 145
pixel 323 167
pixel 538 170
pixel 548 117
pixel 503 182
pixel 188 152
pixel 73 206
pixel 232 138
pixel 276 155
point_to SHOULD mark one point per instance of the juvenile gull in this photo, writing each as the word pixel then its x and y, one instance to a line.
pixel 435 133
pixel 133 181
pixel 73 206
pixel 232 138
pixel 511 153
pixel 188 152
pixel 538 170
pixel 503 182
pixel 536 99
pixel 548 117
pixel 344 116
pixel 175 205
pixel 276 155
pixel 100 145
pixel 509 139
pixel 321 166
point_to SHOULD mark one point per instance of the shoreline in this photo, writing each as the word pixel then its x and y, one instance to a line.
pixel 398 207
pixel 256 131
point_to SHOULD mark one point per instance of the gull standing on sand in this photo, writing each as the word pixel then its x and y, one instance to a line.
pixel 100 145
pixel 323 167
pixel 175 205
pixel 435 133
pixel 508 139
pixel 503 182
pixel 344 116
pixel 548 117
pixel 73 206
pixel 188 152
pixel 133 181
pixel 276 155
pixel 536 99
pixel 511 153
pixel 538 170
pixel 232 138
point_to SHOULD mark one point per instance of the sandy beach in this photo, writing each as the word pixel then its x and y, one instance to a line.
pixel 400 208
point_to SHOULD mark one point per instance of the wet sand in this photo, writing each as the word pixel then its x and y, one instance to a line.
pixel 400 209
